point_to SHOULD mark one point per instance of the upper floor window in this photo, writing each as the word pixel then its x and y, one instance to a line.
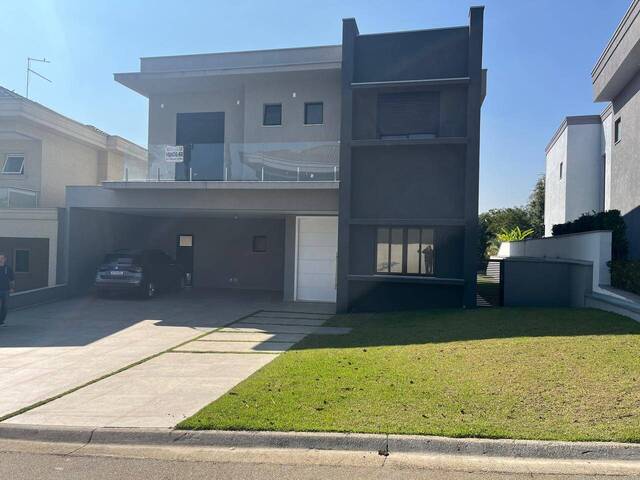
pixel 408 115
pixel 617 130
pixel 14 164
pixel 272 114
pixel 313 113
pixel 407 251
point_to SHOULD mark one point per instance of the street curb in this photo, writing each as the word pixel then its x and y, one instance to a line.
pixel 384 444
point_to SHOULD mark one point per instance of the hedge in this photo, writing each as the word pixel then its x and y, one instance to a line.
pixel 609 220
pixel 625 274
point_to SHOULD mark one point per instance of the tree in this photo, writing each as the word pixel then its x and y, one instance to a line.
pixel 535 207
pixel 496 220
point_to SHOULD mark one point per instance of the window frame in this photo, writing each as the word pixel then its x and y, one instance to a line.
pixel 6 161
pixel 617 130
pixel 253 244
pixel 405 235
pixel 21 191
pixel 307 104
pixel 264 114
pixel 15 262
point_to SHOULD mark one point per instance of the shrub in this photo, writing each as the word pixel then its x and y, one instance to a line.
pixel 609 220
pixel 514 235
pixel 625 274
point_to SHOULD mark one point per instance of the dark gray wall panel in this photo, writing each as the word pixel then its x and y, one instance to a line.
pixel 381 186
pixel 377 296
pixel 413 55
pixel 38 274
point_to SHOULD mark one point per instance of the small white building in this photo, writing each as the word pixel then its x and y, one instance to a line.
pixel 577 169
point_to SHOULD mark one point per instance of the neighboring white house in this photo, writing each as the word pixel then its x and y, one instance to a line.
pixel 41 153
pixel 577 169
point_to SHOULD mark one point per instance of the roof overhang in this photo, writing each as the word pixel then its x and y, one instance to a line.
pixel 205 71
pixel 620 60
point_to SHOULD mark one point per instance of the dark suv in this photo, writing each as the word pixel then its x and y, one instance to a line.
pixel 141 271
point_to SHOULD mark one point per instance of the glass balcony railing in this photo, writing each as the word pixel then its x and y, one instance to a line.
pixel 257 162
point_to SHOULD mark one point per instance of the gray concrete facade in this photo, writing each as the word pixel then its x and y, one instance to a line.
pixel 424 182
pixel 616 79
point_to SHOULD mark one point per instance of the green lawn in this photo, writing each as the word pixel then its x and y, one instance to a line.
pixel 564 374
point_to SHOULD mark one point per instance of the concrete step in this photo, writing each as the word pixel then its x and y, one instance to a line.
pixel 613 304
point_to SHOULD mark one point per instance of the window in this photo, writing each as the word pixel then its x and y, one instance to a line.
pixel 21 261
pixel 272 115
pixel 617 130
pixel 17 198
pixel 313 113
pixel 185 240
pixel 561 166
pixel 14 164
pixel 405 251
pixel 408 115
pixel 259 244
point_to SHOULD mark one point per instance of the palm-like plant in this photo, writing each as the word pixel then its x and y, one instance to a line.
pixel 514 235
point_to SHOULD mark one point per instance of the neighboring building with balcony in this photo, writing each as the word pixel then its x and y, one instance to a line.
pixel 42 152
pixel 344 173
pixel 593 161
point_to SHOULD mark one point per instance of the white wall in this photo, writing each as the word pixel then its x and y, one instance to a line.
pixel 555 187
pixel 33 223
pixel 583 170
pixel 607 126
pixel 594 247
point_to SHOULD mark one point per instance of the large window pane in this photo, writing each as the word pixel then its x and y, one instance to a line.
pixel 313 113
pixel 395 257
pixel 382 251
pixel 413 250
pixel 428 253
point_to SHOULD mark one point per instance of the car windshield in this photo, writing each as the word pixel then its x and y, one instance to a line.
pixel 121 258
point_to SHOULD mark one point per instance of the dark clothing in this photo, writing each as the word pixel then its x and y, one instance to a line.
pixel 6 277
pixel 4 297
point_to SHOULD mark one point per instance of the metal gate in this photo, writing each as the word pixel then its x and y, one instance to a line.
pixel 490 284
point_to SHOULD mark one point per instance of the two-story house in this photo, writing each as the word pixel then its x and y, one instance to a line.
pixel 344 173
pixel 41 152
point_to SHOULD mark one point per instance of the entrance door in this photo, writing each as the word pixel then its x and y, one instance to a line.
pixel 184 257
pixel 202 135
pixel 317 249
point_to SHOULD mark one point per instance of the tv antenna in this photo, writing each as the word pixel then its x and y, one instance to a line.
pixel 30 71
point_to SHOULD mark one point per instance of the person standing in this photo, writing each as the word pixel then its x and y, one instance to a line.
pixel 7 286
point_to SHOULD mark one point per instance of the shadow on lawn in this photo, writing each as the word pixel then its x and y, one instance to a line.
pixel 439 326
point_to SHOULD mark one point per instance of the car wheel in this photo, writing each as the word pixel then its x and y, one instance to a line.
pixel 149 290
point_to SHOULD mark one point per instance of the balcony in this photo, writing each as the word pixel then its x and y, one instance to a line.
pixel 306 162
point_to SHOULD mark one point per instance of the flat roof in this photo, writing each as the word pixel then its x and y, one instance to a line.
pixel 197 66
pixel 572 120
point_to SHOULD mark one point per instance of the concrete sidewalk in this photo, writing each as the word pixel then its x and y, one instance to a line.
pixel 166 389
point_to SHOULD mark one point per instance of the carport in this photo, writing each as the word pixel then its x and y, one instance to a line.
pixel 266 236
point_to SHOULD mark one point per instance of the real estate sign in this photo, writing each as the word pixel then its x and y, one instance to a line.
pixel 174 154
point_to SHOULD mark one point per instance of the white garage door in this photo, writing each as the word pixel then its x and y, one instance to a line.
pixel 317 240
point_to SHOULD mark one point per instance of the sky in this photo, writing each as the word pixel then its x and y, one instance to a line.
pixel 539 54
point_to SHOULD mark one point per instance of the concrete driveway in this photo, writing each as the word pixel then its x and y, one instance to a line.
pixel 50 350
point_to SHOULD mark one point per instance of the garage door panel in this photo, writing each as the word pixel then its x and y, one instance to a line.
pixel 311 252
pixel 317 266
pixel 317 294
pixel 320 280
pixel 318 239
pixel 316 262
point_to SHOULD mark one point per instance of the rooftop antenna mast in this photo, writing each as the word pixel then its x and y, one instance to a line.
pixel 30 71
